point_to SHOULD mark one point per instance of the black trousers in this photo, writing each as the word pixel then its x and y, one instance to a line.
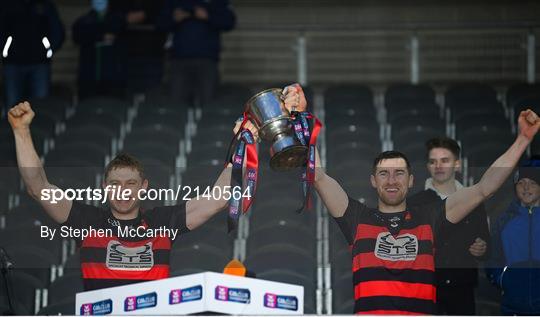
pixel 193 81
pixel 456 300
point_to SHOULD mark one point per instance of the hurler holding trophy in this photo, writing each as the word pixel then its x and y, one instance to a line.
pixel 393 245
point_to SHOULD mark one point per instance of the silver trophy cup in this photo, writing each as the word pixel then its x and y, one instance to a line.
pixel 269 115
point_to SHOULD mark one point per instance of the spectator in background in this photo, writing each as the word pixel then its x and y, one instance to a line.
pixel 460 245
pixel 515 262
pixel 100 70
pixel 141 41
pixel 196 26
pixel 30 34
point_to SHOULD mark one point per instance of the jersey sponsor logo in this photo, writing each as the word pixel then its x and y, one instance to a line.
pixel 132 303
pixel 237 295
pixel 121 257
pixel 177 296
pixel 280 301
pixel 103 307
pixel 400 248
pixel 113 222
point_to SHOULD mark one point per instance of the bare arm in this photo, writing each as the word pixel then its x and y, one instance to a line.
pixel 332 194
pixel 30 166
pixel 334 197
pixel 462 202
pixel 201 209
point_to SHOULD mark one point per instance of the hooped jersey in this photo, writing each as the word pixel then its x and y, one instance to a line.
pixel 125 251
pixel 393 257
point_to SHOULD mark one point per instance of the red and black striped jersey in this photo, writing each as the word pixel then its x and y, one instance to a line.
pixel 113 260
pixel 393 257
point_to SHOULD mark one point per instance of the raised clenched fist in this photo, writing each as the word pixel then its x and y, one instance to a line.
pixel 20 116
pixel 529 123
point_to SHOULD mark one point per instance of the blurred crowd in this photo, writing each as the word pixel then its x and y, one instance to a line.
pixel 123 45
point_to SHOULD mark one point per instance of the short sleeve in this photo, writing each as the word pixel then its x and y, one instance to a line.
pixel 83 216
pixel 172 217
pixel 350 219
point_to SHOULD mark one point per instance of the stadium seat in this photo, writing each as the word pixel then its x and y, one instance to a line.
pixel 486 134
pixel 23 291
pixel 342 291
pixel 464 93
pixel 207 150
pixel 281 232
pixel 146 149
pixel 532 103
pixel 27 215
pixel 519 92
pixel 220 132
pixel 46 124
pixel 168 118
pixel 215 235
pixel 199 256
pixel 337 121
pixel 20 235
pixel 399 94
pixel 88 133
pixel 93 154
pixel 64 288
pixel 341 152
pixel 415 136
pixel 361 190
pixel 354 132
pixel 105 121
pixel 33 260
pixel 104 105
pixel 357 96
pixel 415 151
pixel 403 112
pixel 482 156
pixel 273 209
pixel 284 257
pixel 356 168
pixel 482 122
pixel 61 308
pixel 420 122
pixel 53 106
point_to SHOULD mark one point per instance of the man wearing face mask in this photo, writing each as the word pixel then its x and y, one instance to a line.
pixel 461 245
pixel 515 262
pixel 100 71
pixel 30 34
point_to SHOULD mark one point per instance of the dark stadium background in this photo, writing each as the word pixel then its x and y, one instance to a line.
pixel 381 75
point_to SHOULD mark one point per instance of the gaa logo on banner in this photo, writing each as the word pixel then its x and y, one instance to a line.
pixel 177 296
pixel 236 295
pixel 103 307
pixel 132 303
pixel 280 301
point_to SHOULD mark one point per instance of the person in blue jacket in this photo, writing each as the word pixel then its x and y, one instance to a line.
pixel 515 262
pixel 31 32
pixel 196 27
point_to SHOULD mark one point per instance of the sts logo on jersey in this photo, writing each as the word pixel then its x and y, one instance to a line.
pixel 400 248
pixel 121 257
